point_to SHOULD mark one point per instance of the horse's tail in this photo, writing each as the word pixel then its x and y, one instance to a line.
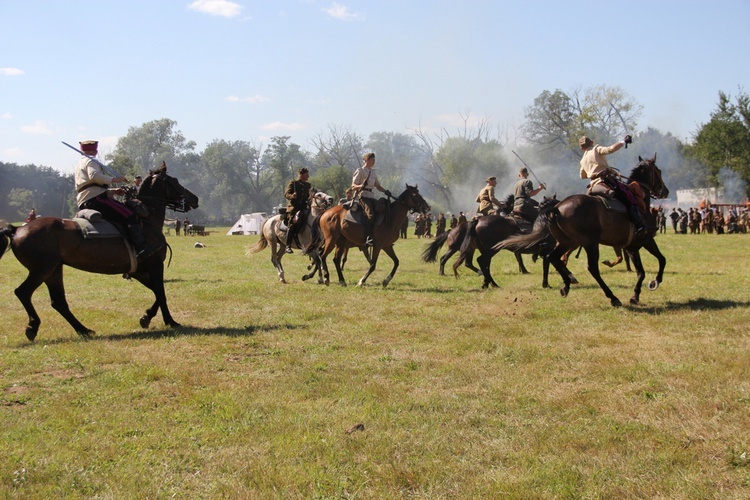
pixel 429 254
pixel 316 236
pixel 6 234
pixel 262 243
pixel 529 241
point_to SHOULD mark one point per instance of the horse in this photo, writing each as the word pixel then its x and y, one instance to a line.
pixel 583 220
pixel 273 233
pixel 454 238
pixel 47 244
pixel 486 231
pixel 333 229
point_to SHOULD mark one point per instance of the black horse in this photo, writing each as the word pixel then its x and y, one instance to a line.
pixel 585 221
pixel 485 232
pixel 46 244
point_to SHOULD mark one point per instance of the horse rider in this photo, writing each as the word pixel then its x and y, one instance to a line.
pixel 523 205
pixel 363 182
pixel 298 194
pixel 93 193
pixel 486 198
pixel 605 181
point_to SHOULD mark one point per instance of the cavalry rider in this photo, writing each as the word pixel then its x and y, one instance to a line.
pixel 298 194
pixel 604 180
pixel 363 182
pixel 486 198
pixel 523 205
pixel 93 193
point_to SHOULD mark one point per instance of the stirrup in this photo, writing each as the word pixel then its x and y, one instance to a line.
pixel 369 242
pixel 288 249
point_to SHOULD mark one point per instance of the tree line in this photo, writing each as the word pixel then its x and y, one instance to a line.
pixel 235 177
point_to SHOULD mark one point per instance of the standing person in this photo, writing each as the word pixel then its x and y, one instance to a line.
pixel 177 226
pixel 365 179
pixel 298 194
pixel 440 225
pixel 674 216
pixel 604 180
pixel 486 197
pixel 404 227
pixel 93 193
pixel 428 225
pixel 523 204
pixel 185 226
pixel 461 217
pixel 454 221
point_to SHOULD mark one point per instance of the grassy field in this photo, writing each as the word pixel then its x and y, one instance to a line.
pixel 429 388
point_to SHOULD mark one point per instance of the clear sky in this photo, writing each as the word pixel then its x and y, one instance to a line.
pixel 249 69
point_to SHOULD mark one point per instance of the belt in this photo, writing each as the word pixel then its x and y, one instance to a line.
pixel 366 189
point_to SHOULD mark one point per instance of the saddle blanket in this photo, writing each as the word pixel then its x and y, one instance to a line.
pixel 359 217
pixel 612 204
pixel 96 227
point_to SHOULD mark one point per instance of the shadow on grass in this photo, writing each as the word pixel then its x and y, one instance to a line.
pixel 700 304
pixel 167 332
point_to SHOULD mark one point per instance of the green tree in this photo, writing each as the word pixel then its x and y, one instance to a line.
pixel 724 142
pixel 283 159
pixel 20 200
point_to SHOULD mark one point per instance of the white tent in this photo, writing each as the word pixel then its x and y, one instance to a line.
pixel 249 223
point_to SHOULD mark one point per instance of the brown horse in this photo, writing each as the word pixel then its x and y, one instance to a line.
pixel 333 230
pixel 46 244
pixel 582 220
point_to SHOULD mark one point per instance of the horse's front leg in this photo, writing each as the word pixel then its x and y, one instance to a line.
pixel 635 257
pixel 276 256
pixel 339 258
pixel 653 249
pixel 521 268
pixel 373 263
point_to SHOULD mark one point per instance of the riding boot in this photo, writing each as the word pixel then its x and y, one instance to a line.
pixel 142 249
pixel 291 233
pixel 635 218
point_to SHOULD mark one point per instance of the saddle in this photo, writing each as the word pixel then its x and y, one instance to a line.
pixel 93 226
pixel 524 224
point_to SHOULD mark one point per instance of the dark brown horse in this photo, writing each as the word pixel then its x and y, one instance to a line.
pixel 485 232
pixel 332 230
pixel 45 245
pixel 582 220
pixel 454 239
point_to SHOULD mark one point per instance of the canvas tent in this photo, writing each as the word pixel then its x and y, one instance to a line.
pixel 249 223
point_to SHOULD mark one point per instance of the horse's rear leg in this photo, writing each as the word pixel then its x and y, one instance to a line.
pixel 444 260
pixel 24 292
pixel 521 268
pixel 641 274
pixel 592 253
pixel 56 288
pixel 485 261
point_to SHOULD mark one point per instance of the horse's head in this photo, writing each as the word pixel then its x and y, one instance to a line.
pixel 647 174
pixel 413 200
pixel 321 201
pixel 548 202
pixel 160 187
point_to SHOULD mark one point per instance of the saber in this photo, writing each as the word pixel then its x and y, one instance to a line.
pixel 95 160
pixel 624 125
pixel 529 169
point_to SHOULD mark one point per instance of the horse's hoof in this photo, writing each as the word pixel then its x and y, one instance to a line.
pixel 175 324
pixel 342 283
pixel 653 285
pixel 615 302
pixel 564 291
pixel 573 280
pixel 634 301
pixel 31 333
pixel 87 334
pixel 144 321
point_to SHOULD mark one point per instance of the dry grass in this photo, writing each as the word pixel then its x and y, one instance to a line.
pixel 461 393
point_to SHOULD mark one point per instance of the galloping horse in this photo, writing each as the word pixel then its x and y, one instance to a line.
pixel 334 230
pixel 272 234
pixel 485 232
pixel 582 220
pixel 46 244
pixel 453 239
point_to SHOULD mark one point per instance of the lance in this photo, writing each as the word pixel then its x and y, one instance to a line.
pixel 95 160
pixel 529 169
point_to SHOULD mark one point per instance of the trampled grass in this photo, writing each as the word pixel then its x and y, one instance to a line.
pixel 461 393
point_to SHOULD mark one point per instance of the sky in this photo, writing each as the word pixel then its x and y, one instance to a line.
pixel 249 70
